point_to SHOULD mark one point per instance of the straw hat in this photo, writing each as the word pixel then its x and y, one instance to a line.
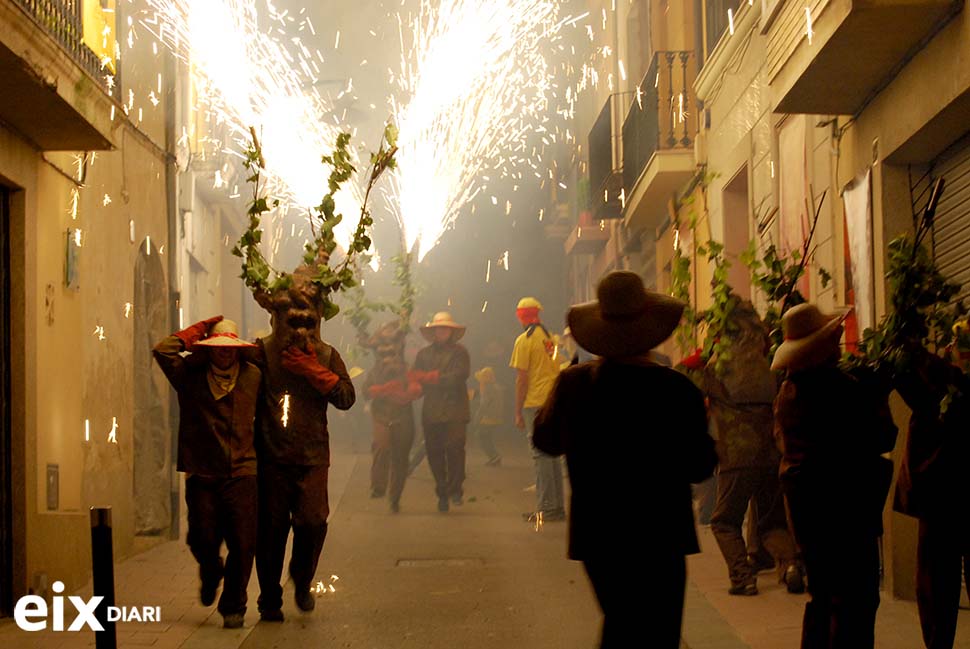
pixel 442 319
pixel 224 333
pixel 626 320
pixel 485 375
pixel 806 331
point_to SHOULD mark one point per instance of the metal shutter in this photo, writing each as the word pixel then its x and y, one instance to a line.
pixel 952 224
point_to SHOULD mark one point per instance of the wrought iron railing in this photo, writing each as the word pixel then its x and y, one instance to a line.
pixel 63 20
pixel 662 115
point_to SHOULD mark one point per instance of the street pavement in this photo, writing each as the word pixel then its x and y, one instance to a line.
pixel 477 577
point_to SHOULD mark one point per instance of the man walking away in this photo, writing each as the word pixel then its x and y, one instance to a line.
pixel 634 435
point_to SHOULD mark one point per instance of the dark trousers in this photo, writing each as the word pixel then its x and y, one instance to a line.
pixel 843 580
pixel 944 550
pixel 390 451
pixel 626 621
pixel 297 496
pixel 223 509
pixel 445 444
pixel 737 488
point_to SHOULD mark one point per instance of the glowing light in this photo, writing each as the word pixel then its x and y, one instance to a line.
pixel 809 32
pixel 106 201
pixel 484 306
pixel 148 245
pixel 75 198
pixel 473 89
pixel 127 309
pixel 113 433
pixel 286 409
pixel 87 430
pixel 99 332
pixel 77 237
pixel 731 21
pixel 676 239
pixel 488 271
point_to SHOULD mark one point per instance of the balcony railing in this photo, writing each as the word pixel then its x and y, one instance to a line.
pixel 662 115
pixel 62 19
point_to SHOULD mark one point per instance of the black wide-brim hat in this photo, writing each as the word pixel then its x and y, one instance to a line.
pixel 626 319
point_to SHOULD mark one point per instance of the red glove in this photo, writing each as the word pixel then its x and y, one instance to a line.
pixel 305 364
pixel 194 333
pixel 401 396
pixel 384 389
pixel 694 361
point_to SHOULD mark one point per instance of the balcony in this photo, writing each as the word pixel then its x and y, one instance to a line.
pixel 605 179
pixel 55 91
pixel 588 237
pixel 831 64
pixel 658 146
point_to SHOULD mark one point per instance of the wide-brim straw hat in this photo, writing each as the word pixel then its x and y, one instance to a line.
pixel 443 319
pixel 626 319
pixel 224 333
pixel 806 331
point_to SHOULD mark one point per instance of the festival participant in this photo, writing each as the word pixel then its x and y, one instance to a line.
pixel 631 431
pixel 302 376
pixel 217 394
pixel 536 366
pixel 391 395
pixel 833 429
pixel 442 368
pixel 490 415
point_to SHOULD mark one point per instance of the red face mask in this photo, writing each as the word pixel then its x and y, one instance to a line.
pixel 528 316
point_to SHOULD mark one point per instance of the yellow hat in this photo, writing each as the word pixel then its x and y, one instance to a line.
pixel 485 375
pixel 529 303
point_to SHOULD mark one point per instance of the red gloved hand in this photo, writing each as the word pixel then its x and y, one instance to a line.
pixel 384 389
pixel 194 333
pixel 694 361
pixel 305 364
pixel 402 396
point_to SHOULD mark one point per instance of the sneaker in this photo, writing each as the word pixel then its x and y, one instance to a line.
pixel 794 579
pixel 233 621
pixel 272 615
pixel 305 600
pixel 442 505
pixel 749 588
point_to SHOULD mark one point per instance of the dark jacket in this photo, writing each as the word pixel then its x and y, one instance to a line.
pixel 635 438
pixel 305 440
pixel 446 401
pixel 215 437
pixel 383 410
pixel 934 469
pixel 833 429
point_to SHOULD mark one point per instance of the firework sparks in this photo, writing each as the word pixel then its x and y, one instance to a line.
pixel 127 309
pixel 474 87
pixel 286 409
pixel 113 433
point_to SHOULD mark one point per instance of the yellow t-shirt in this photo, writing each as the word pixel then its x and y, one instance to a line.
pixel 534 354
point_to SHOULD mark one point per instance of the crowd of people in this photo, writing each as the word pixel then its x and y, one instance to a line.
pixel 798 444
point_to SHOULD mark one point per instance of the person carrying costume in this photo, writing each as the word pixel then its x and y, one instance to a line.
pixel 302 376
pixel 391 395
pixel 490 415
pixel 933 473
pixel 218 395
pixel 442 368
pixel 534 358
pixel 629 427
pixel 833 429
pixel 740 388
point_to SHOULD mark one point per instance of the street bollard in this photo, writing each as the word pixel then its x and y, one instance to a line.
pixel 102 560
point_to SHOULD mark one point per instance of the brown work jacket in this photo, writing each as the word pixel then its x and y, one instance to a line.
pixel 446 401
pixel 216 438
pixel 305 439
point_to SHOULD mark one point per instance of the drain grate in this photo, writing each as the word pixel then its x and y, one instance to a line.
pixel 454 562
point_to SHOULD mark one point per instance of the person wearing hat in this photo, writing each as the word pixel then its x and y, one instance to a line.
pixel 534 359
pixel 442 368
pixel 490 414
pixel 634 434
pixel 217 394
pixel 833 429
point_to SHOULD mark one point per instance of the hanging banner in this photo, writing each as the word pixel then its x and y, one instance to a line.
pixel 856 198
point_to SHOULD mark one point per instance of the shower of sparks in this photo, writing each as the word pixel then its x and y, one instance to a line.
pixel 245 75
pixel 474 89
pixel 286 409
pixel 113 433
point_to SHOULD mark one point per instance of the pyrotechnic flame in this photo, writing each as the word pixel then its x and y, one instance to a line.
pixel 244 76
pixel 474 86
pixel 286 409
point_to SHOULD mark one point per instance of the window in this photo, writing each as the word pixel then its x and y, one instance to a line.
pixel 716 21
